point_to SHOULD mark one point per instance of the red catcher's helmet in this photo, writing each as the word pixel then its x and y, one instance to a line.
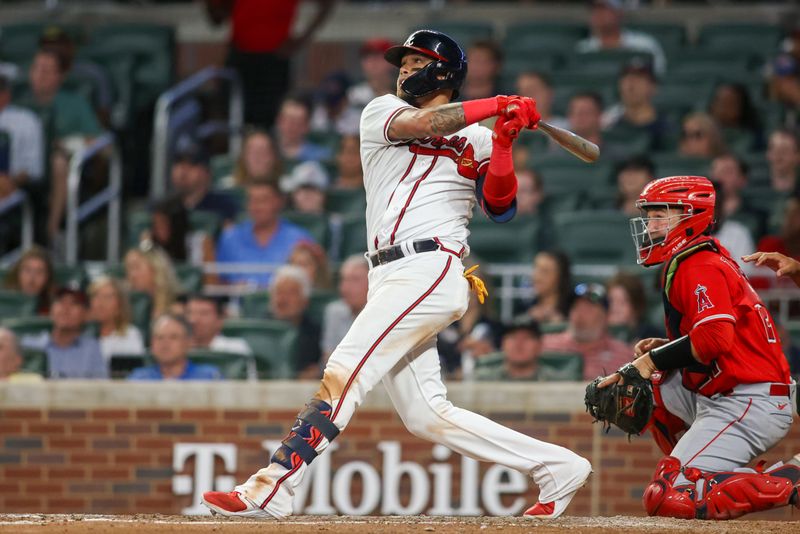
pixel 693 195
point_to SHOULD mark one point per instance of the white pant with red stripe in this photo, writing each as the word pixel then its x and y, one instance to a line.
pixel 394 340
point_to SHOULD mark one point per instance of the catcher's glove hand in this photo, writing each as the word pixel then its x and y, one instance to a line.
pixel 628 404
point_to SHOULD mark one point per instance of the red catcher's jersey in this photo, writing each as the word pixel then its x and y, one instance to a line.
pixel 710 286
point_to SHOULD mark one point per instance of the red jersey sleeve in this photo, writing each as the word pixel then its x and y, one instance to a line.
pixel 701 294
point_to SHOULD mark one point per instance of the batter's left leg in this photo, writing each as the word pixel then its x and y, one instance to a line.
pixel 420 398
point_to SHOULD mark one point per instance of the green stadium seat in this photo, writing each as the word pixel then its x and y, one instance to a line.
pixel 318 301
pixel 563 201
pixel 602 197
pixel 681 97
pixel 671 164
pixel 545 35
pixel 553 328
pixel 697 63
pixel 346 201
pixel 136 222
pixel 221 165
pixel 670 36
pixel 608 62
pixel 69 275
pixel 35 361
pixel 516 241
pixel 353 236
pixel 272 343
pixel 190 277
pixel 759 39
pixel 255 305
pixel 560 367
pixel 205 221
pixel 739 140
pixel 28 326
pixel 571 175
pixel 233 366
pixel 316 225
pixel 464 33
pixel 625 142
pixel 19 42
pixel 16 304
pixel 141 311
pixel 595 237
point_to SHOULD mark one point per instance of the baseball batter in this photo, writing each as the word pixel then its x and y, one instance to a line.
pixel 426 162
pixel 721 379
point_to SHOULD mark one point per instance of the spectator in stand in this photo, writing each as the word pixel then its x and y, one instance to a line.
pixel 627 308
pixel 70 352
pixel 292 127
pixel 730 172
pixel 584 111
pixel 264 238
pixel 788 242
pixel 636 113
pixel 149 270
pixel 587 334
pixel 289 294
pixel 530 194
pixel 783 155
pixel 732 108
pixel 169 230
pixel 206 316
pixel 632 176
pixel 379 74
pixel 191 180
pixel 33 275
pixel 312 258
pixel 68 120
pixel 785 73
pixel 340 314
pixel 110 308
pixel 11 360
pixel 22 153
pixel 332 114
pixel 732 234
pixel 261 46
pixel 701 137
pixel 306 186
pixel 538 86
pixel 259 159
pixel 605 25
pixel 520 349
pixel 170 344
pixel 348 164
pixel 485 62
pixel 552 287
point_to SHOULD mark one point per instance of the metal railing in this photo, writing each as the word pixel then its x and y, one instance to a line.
pixel 18 199
pixel 76 212
pixel 160 147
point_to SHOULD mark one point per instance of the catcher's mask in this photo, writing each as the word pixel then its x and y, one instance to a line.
pixel 447 71
pixel 657 238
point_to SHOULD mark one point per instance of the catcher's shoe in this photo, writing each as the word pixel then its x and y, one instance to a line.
pixel 233 504
pixel 553 509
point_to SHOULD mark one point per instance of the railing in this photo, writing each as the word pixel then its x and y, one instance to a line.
pixel 76 213
pixel 160 147
pixel 14 200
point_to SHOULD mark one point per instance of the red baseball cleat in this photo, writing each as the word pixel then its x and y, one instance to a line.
pixel 553 509
pixel 233 504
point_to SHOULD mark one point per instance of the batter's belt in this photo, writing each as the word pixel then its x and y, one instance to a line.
pixel 395 252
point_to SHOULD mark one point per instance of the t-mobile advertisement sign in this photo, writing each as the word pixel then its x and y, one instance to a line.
pixel 326 491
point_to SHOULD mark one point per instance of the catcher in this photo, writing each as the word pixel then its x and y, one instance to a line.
pixel 721 390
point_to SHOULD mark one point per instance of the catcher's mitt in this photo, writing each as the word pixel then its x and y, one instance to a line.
pixel 628 404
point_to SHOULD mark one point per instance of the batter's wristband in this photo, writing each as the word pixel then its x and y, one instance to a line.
pixel 478 110
pixel 676 354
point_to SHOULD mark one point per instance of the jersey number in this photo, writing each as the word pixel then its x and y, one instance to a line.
pixel 768 328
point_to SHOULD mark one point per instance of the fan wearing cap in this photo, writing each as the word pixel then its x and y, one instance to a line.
pixel 70 352
pixel 721 381
pixel 587 333
pixel 306 186
pixel 520 347
pixel 427 163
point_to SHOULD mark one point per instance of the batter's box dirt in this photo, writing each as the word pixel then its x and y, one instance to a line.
pixel 75 523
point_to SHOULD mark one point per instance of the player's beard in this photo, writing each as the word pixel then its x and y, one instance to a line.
pixel 414 101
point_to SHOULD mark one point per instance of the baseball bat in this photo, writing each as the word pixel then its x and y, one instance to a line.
pixel 571 142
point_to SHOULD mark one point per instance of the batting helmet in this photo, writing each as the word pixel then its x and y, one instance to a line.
pixel 447 71
pixel 693 196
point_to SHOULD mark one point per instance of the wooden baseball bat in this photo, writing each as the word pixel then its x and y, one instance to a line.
pixel 571 142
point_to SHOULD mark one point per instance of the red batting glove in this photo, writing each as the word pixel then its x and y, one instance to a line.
pixel 523 108
pixel 506 130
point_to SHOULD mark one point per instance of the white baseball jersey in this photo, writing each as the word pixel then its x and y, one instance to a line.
pixel 419 188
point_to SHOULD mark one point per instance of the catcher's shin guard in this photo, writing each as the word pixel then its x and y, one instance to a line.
pixel 662 499
pixel 311 426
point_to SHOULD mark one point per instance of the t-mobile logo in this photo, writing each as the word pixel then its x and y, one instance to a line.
pixel 203 478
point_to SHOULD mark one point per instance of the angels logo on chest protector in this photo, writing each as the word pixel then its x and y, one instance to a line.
pixel 456 148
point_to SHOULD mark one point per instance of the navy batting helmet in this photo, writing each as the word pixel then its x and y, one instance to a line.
pixel 447 71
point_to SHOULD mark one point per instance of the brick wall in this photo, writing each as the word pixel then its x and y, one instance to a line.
pixel 119 459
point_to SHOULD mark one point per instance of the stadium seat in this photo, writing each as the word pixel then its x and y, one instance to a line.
pixel 190 277
pixel 681 97
pixel 205 221
pixel 318 301
pixel 569 175
pixel 16 304
pixel 739 140
pixel 141 311
pixel 671 164
pixel 35 361
pixel 464 33
pixel 28 326
pixel 625 142
pixel 602 197
pixel 759 39
pixel 233 366
pixel 595 237
pixel 353 236
pixel 552 328
pixel 544 36
pixel 605 61
pixel 696 63
pixel 516 241
pixel 316 225
pixel 346 201
pixel 19 41
pixel 69 275
pixel 560 367
pixel 221 165
pixel 272 343
pixel 255 305
pixel 670 36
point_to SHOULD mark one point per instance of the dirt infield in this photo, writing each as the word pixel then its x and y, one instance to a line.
pixel 69 524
